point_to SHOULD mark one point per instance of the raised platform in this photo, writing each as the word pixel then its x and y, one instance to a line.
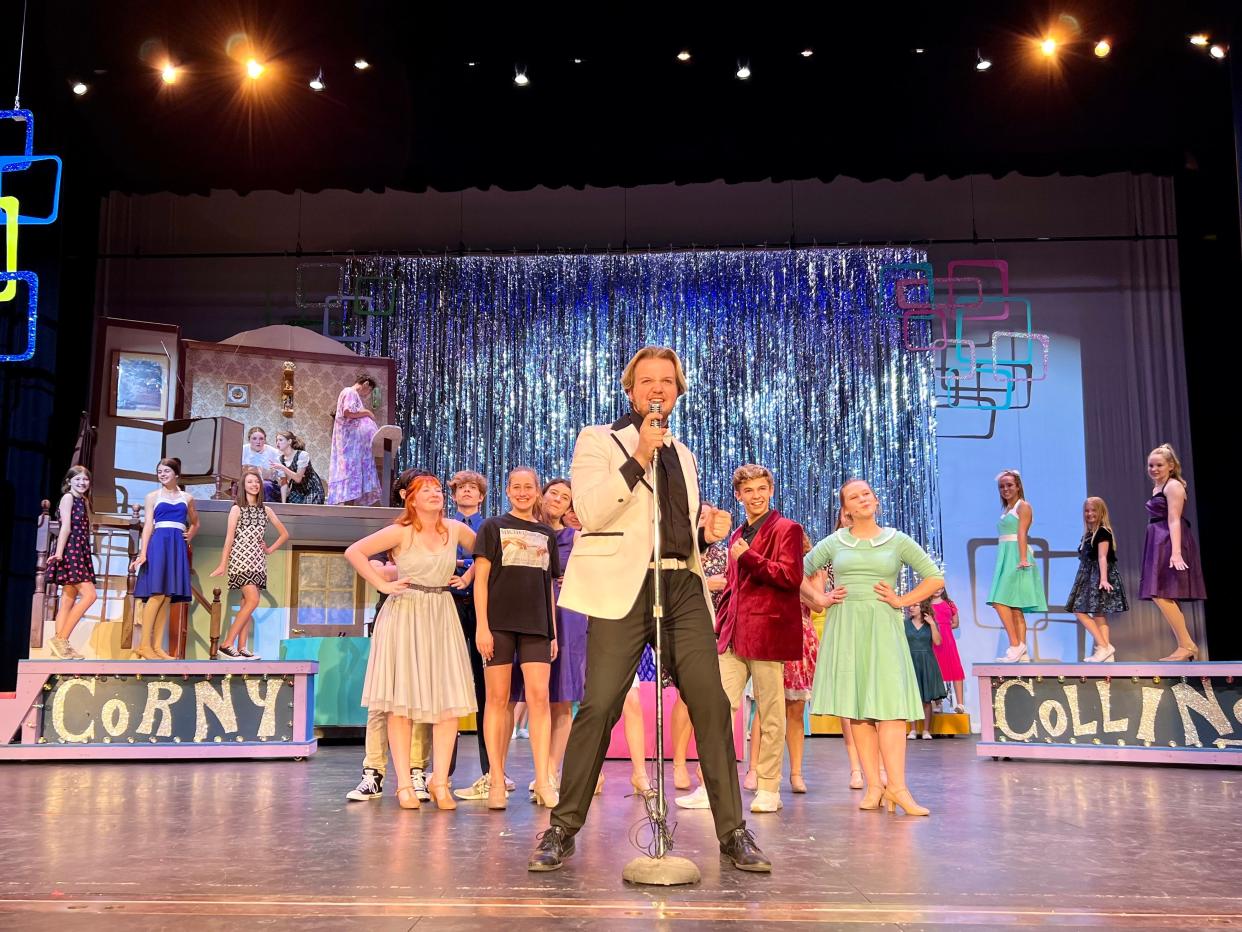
pixel 1163 713
pixel 151 709
pixel 322 524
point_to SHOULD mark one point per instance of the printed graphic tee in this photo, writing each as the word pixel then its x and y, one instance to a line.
pixel 524 558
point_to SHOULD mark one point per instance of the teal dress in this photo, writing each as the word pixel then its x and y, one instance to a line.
pixel 926 669
pixel 1022 589
pixel 864 669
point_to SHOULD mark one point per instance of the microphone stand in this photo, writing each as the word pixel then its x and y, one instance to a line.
pixel 662 869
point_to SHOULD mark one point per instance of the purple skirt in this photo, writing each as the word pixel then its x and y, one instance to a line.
pixel 1161 581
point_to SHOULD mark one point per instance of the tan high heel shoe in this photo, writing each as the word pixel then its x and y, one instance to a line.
pixel 1181 655
pixel 497 795
pixel 407 798
pixel 148 653
pixel 441 796
pixel 641 785
pixel 599 785
pixel 681 777
pixel 902 798
pixel 856 779
pixel 547 795
pixel 871 800
pixel 796 783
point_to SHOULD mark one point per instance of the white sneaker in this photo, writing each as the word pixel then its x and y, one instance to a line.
pixel 1101 655
pixel 696 800
pixel 927 736
pixel 766 801
pixel 911 735
pixel 58 648
pixel 1014 655
pixel 419 779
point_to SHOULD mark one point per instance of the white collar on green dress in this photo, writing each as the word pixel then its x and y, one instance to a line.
pixel 885 535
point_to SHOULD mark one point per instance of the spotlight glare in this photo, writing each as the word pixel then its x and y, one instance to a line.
pixel 520 79
pixel 1102 48
pixel 1048 47
pixel 79 88
pixel 1199 39
pixel 254 69
pixel 807 53
pixel 577 61
pixel 170 73
pixel 316 83
pixel 919 51
pixel 983 64
pixel 361 64
pixel 743 72
pixel 683 55
pixel 1217 51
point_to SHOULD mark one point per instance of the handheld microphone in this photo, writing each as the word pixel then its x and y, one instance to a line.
pixel 655 407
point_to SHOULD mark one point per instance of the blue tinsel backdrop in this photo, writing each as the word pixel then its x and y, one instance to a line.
pixel 794 358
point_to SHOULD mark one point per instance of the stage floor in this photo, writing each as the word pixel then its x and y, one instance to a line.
pixel 274 845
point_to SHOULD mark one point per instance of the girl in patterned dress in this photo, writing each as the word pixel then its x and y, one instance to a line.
pixel 1098 590
pixel 352 476
pixel 70 567
pixel 299 484
pixel 245 558
pixel 163 563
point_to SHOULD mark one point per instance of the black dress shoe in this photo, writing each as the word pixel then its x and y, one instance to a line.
pixel 740 848
pixel 554 846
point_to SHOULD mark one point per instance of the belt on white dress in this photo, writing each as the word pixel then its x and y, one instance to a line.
pixel 1006 538
pixel 177 524
pixel 669 563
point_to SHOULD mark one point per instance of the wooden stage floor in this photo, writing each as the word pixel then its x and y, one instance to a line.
pixel 275 845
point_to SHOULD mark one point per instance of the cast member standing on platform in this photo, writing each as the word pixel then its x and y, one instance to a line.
pixel 1172 572
pixel 922 636
pixel 760 623
pixel 418 670
pixel 71 566
pixel 1017 585
pixel 375 757
pixel 266 459
pixel 352 476
pixel 163 563
pixel 609 579
pixel 515 560
pixel 865 673
pixel 1098 590
pixel 244 558
pixel 945 649
pixel 300 484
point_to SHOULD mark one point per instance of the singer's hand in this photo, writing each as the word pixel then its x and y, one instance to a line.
pixel 717 524
pixel 650 439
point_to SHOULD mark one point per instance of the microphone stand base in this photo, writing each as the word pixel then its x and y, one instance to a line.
pixel 668 871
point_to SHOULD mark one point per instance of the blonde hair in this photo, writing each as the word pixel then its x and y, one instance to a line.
pixel 1170 457
pixel 844 519
pixel 744 474
pixel 1017 477
pixel 654 352
pixel 1101 510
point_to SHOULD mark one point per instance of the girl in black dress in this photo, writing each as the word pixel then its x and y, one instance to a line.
pixel 1097 591
pixel 71 567
pixel 299 483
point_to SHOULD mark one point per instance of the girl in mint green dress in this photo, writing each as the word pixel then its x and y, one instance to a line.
pixel 864 671
pixel 1017 585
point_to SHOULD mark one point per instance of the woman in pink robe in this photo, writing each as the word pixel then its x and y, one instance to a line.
pixel 352 476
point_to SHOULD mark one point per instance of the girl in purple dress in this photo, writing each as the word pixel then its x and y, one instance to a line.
pixel 163 563
pixel 1172 572
pixel 71 566
pixel 352 476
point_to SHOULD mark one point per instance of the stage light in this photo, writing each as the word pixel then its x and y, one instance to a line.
pixel 79 88
pixel 316 83
pixel 254 69
pixel 1102 48
pixel 1199 39
pixel 981 63
pixel 1048 47
pixel 1218 51
pixel 170 73
pixel 807 53
pixel 919 51
pixel 361 64
pixel 577 61
pixel 520 79
pixel 743 72
pixel 471 64
pixel 683 55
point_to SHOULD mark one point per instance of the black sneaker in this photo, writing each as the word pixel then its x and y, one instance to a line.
pixel 371 786
pixel 229 652
pixel 554 846
pixel 246 655
pixel 741 850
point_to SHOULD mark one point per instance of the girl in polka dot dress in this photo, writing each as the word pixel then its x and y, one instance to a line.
pixel 71 567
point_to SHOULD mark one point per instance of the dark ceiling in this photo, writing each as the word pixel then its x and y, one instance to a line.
pixel 865 104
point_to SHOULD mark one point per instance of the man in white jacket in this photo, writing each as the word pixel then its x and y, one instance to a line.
pixel 609 578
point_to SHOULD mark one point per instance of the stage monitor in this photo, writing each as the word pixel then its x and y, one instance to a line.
pixel 209 448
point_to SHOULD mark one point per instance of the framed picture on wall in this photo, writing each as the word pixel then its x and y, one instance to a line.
pixel 237 395
pixel 139 385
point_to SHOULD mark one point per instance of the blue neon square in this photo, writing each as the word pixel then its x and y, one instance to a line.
pixel 924 267
pixel 1002 299
pixel 10 163
pixel 32 313
pixel 980 369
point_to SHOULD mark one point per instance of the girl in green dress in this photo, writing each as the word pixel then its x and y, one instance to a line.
pixel 864 672
pixel 1017 586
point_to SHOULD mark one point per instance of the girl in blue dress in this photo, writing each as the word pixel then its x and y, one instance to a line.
pixel 163 563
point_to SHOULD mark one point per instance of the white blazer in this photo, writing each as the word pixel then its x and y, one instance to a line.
pixel 609 562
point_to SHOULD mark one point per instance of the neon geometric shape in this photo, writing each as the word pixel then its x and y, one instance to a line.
pixel 22 162
pixel 952 299
pixel 9 206
pixel 339 300
pixel 1004 405
pixel 997 299
pixel 917 313
pixel 1001 266
pixel 391 306
pixel 924 267
pixel 22 116
pixel 1030 338
pixel 901 293
pixel 32 313
pixel 969 372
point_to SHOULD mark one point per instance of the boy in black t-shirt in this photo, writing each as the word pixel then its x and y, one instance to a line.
pixel 516 559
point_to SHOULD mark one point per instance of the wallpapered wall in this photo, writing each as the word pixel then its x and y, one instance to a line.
pixel 315 387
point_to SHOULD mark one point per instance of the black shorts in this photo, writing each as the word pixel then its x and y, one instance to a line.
pixel 527 648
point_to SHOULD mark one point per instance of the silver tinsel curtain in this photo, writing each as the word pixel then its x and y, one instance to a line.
pixel 794 358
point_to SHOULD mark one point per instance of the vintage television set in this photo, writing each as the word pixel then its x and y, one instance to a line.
pixel 210 449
